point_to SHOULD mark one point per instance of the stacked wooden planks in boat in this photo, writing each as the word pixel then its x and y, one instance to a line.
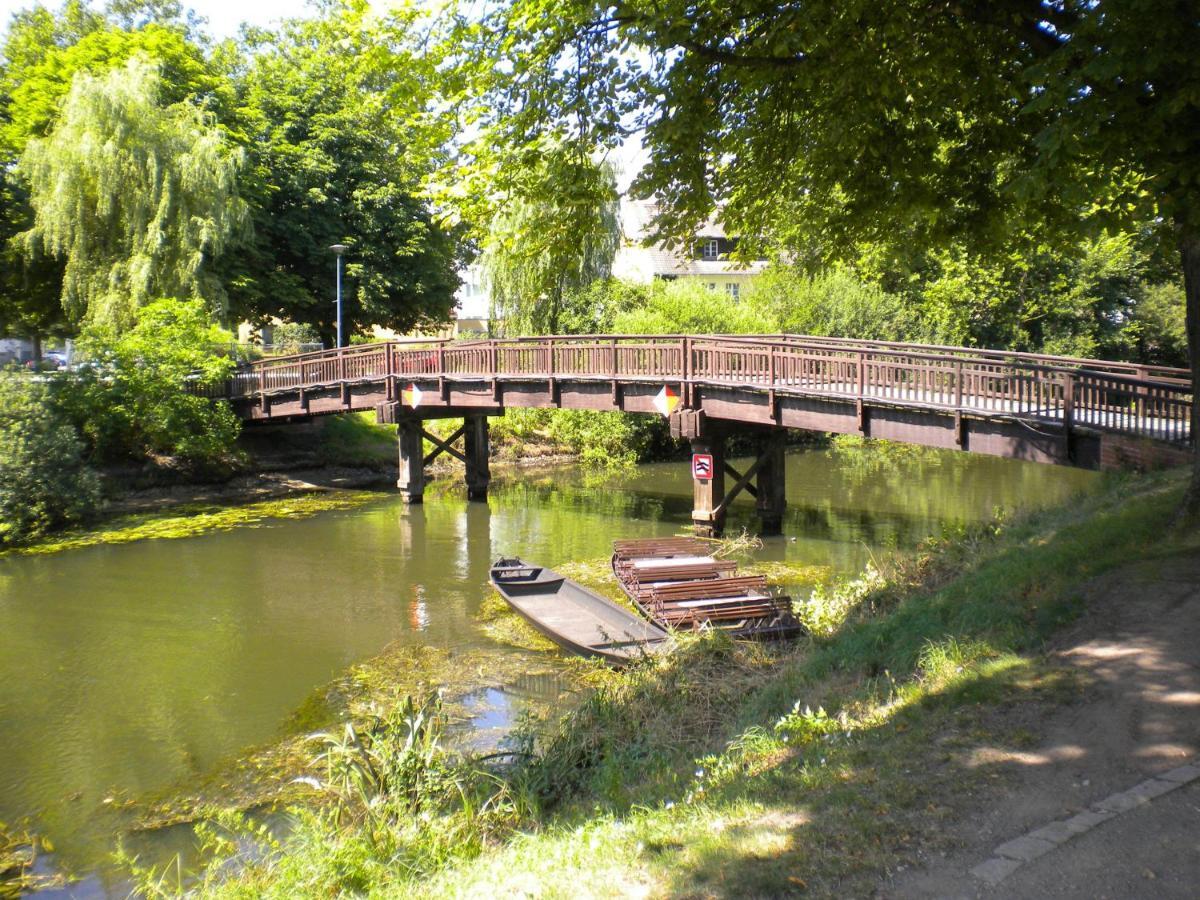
pixel 678 583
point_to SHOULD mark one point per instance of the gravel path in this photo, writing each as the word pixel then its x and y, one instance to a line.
pixel 1105 805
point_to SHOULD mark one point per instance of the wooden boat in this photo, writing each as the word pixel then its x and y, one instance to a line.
pixel 677 583
pixel 575 618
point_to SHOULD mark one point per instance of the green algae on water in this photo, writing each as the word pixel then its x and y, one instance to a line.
pixel 191 520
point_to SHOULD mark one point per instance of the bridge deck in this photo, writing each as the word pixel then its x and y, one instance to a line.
pixel 727 372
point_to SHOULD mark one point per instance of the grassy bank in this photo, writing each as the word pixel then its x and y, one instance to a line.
pixel 734 769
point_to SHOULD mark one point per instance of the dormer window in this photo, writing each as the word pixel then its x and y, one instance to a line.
pixel 711 248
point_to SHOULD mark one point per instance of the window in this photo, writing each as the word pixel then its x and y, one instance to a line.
pixel 712 285
pixel 712 248
pixel 733 289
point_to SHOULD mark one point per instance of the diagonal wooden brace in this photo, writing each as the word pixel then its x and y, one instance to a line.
pixel 441 446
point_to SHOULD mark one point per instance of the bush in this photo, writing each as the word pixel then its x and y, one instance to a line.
pixel 688 307
pixel 44 483
pixel 142 392
pixel 836 303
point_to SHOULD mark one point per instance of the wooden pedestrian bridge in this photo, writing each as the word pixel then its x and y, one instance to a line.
pixel 1049 409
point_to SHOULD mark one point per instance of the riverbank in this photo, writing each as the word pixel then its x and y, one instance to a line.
pixel 731 769
pixel 284 472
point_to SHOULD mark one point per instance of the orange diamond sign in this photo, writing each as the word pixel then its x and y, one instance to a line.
pixel 666 400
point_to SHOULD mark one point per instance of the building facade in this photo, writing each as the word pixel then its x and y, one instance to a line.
pixel 706 259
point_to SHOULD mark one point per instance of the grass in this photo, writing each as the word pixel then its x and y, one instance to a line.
pixel 734 769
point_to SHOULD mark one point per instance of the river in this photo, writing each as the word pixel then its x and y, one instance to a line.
pixel 128 669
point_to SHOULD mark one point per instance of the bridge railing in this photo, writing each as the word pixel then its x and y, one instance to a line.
pixel 1143 401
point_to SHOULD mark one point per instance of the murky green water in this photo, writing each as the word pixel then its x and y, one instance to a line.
pixel 126 670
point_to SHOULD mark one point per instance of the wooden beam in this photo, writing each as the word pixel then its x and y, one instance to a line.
pixel 475 446
pixel 441 446
pixel 772 493
pixel 743 483
pixel 411 480
pixel 708 516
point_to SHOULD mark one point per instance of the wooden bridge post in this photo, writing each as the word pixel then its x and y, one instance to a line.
pixel 412 460
pixel 475 449
pixel 708 507
pixel 772 496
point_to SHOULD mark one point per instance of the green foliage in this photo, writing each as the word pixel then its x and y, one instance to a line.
pixel 688 307
pixel 802 726
pixel 593 309
pixel 44 482
pixel 289 337
pixel 42 53
pixel 836 303
pixel 340 139
pixel 828 607
pixel 601 440
pixel 555 233
pixel 838 122
pixel 392 756
pixel 145 390
pixel 133 195
pixel 38 91
pixel 1159 319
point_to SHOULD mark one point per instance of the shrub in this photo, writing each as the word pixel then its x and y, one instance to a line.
pixel 836 303
pixel 688 307
pixel 142 392
pixel 44 482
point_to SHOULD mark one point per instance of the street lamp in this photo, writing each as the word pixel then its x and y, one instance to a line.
pixel 339 249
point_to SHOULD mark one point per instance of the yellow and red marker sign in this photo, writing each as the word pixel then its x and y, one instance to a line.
pixel 666 400
pixel 411 396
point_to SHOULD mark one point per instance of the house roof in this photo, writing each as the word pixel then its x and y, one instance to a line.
pixel 637 221
pixel 637 217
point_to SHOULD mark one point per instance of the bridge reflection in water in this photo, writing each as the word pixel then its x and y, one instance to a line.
pixel 1088 413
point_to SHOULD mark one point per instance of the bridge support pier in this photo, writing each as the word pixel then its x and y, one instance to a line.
pixel 475 451
pixel 764 481
pixel 412 460
pixel 772 496
pixel 708 494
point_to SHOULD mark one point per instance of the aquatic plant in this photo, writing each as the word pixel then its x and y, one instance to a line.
pixel 190 520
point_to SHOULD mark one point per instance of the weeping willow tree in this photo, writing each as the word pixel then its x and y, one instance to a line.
pixel 134 196
pixel 557 232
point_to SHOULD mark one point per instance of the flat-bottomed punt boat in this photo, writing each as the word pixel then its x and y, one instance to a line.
pixel 575 618
pixel 678 584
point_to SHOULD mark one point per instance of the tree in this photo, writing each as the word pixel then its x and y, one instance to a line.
pixel 38 87
pixel 30 288
pixel 44 482
pixel 340 141
pixel 556 233
pixel 145 390
pixel 828 124
pixel 134 196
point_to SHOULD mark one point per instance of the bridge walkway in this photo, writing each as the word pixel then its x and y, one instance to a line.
pixel 1091 413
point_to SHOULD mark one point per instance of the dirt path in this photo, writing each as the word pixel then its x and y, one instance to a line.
pixel 1138 645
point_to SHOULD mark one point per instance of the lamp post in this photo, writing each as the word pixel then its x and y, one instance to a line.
pixel 339 249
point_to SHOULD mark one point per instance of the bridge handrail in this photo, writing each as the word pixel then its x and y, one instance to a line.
pixel 983 354
pixel 1031 385
pixel 1161 374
